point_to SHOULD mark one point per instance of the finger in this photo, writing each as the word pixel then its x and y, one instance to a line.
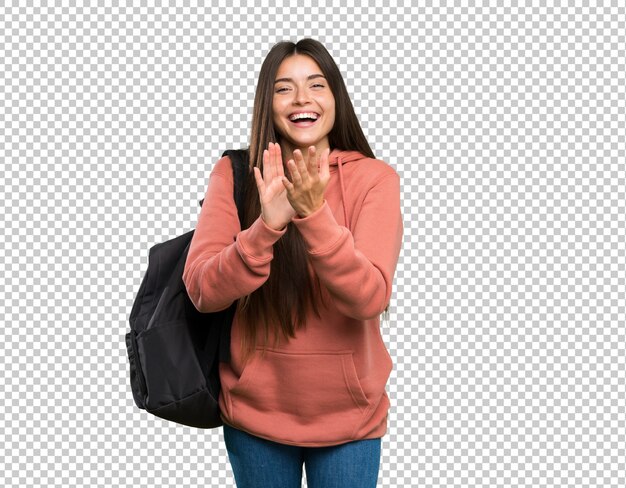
pixel 266 164
pixel 260 184
pixel 312 165
pixel 301 165
pixel 280 170
pixel 296 178
pixel 288 185
pixel 273 159
pixel 269 174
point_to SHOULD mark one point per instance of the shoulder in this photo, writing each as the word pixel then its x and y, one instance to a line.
pixel 372 171
pixel 381 168
pixel 223 167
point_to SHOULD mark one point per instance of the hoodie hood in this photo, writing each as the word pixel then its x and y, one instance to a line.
pixel 345 156
pixel 336 158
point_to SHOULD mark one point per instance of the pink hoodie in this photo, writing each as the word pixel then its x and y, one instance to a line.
pixel 326 386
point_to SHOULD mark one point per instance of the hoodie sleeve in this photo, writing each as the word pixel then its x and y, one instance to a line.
pixel 357 267
pixel 225 263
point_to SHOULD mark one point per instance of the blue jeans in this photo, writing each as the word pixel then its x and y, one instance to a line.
pixel 259 463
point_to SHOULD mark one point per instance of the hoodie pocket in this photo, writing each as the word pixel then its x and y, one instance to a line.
pixel 303 387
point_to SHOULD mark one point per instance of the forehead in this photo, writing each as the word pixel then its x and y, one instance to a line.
pixel 298 66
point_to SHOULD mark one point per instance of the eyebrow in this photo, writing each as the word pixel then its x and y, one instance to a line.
pixel 311 77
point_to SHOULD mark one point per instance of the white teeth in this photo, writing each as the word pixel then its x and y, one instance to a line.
pixel 304 115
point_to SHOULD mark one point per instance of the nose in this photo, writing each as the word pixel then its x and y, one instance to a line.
pixel 302 97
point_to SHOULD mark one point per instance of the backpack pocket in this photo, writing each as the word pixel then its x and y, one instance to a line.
pixel 137 380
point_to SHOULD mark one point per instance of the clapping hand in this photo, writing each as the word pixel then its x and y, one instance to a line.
pixel 309 180
pixel 276 211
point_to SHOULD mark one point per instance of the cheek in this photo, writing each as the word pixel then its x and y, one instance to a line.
pixel 276 110
pixel 331 119
pixel 277 120
pixel 330 107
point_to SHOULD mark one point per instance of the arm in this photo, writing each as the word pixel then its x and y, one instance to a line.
pixel 357 268
pixel 225 263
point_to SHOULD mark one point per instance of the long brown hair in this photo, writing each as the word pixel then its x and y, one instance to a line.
pixel 281 304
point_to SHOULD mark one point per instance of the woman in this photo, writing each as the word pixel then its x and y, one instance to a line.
pixel 312 270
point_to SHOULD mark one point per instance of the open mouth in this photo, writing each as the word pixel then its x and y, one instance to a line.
pixel 305 121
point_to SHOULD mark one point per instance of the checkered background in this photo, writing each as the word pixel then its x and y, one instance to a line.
pixel 508 128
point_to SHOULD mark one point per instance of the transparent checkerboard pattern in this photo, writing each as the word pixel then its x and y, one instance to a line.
pixel 508 319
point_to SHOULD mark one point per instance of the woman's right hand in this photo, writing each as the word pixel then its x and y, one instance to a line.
pixel 276 211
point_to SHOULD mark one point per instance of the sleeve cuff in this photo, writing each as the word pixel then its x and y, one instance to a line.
pixel 320 230
pixel 257 241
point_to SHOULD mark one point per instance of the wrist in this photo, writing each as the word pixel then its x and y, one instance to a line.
pixel 308 212
pixel 273 225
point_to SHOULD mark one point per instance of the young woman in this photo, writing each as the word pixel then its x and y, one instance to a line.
pixel 312 266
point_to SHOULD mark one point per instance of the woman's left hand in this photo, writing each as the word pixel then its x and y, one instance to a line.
pixel 308 182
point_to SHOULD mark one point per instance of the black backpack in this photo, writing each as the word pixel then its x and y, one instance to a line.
pixel 174 351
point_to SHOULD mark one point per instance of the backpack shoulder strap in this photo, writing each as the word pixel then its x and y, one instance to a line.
pixel 240 161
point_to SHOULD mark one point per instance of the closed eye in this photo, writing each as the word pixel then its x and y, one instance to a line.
pixel 285 88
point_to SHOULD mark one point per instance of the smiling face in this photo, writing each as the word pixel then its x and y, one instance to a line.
pixel 300 88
